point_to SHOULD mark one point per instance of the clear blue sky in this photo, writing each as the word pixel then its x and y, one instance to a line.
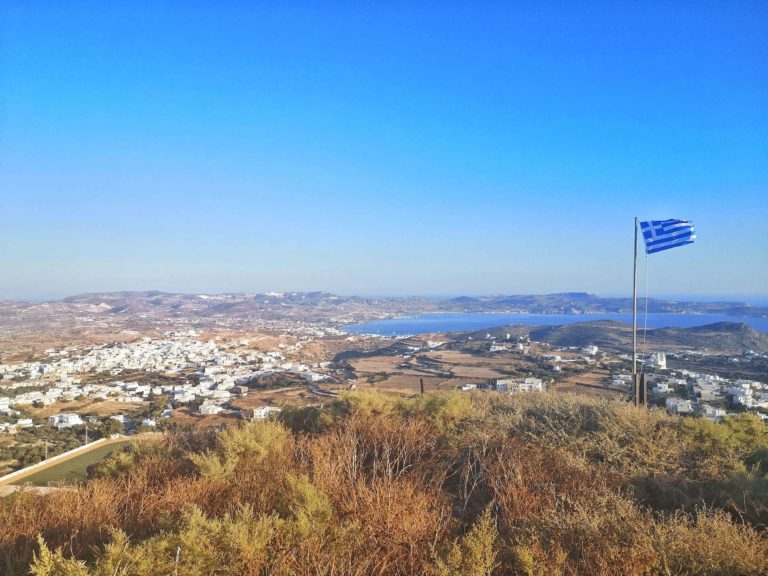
pixel 360 148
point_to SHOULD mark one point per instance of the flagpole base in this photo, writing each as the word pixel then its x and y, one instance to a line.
pixel 641 390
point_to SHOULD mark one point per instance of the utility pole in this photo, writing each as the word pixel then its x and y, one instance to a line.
pixel 86 433
pixel 421 385
pixel 46 450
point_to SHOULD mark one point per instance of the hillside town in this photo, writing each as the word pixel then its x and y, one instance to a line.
pixel 205 375
pixel 197 371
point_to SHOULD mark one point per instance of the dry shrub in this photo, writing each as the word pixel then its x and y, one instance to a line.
pixel 474 554
pixel 400 521
pixel 254 440
pixel 709 542
pixel 447 484
pixel 384 474
pixel 630 442
pixel 527 481
pixel 378 447
pixel 564 515
pixel 80 518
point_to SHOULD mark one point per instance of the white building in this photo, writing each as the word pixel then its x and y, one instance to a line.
pixel 679 406
pixel 657 360
pixel 513 386
pixel 531 385
pixel 65 420
pixel 208 409
pixel 742 397
pixel 711 412
pixel 265 412
pixel 660 388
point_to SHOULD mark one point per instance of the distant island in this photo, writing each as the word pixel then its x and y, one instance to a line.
pixel 586 303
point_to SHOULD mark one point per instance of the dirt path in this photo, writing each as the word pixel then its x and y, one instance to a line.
pixel 7 489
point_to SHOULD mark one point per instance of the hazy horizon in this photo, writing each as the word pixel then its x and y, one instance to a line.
pixel 751 299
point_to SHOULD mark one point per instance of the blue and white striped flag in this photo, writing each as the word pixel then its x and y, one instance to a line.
pixel 665 234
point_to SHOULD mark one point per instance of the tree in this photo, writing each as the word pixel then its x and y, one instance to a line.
pixel 111 426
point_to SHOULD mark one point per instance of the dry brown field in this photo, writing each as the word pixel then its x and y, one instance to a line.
pixel 186 416
pixel 400 383
pixel 451 358
pixel 100 408
pixel 296 395
pixel 475 372
pixel 58 407
pixel 110 407
pixel 376 364
pixel 592 383
pixel 396 374
pixel 22 347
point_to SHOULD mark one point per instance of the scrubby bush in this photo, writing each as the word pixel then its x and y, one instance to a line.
pixel 448 484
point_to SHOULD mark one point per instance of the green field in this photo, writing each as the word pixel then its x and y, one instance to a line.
pixel 73 470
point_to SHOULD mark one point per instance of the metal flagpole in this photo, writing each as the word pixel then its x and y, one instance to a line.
pixel 634 308
pixel 638 380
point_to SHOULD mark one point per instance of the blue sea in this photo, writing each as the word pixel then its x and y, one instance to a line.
pixel 467 322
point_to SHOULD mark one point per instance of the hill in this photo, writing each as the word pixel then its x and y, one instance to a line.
pixel 587 303
pixel 155 310
pixel 611 336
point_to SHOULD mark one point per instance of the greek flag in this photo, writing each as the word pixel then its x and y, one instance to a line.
pixel 665 234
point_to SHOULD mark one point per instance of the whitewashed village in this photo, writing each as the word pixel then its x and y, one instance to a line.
pixel 201 371
pixel 207 376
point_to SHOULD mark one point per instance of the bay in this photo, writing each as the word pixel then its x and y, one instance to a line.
pixel 468 322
